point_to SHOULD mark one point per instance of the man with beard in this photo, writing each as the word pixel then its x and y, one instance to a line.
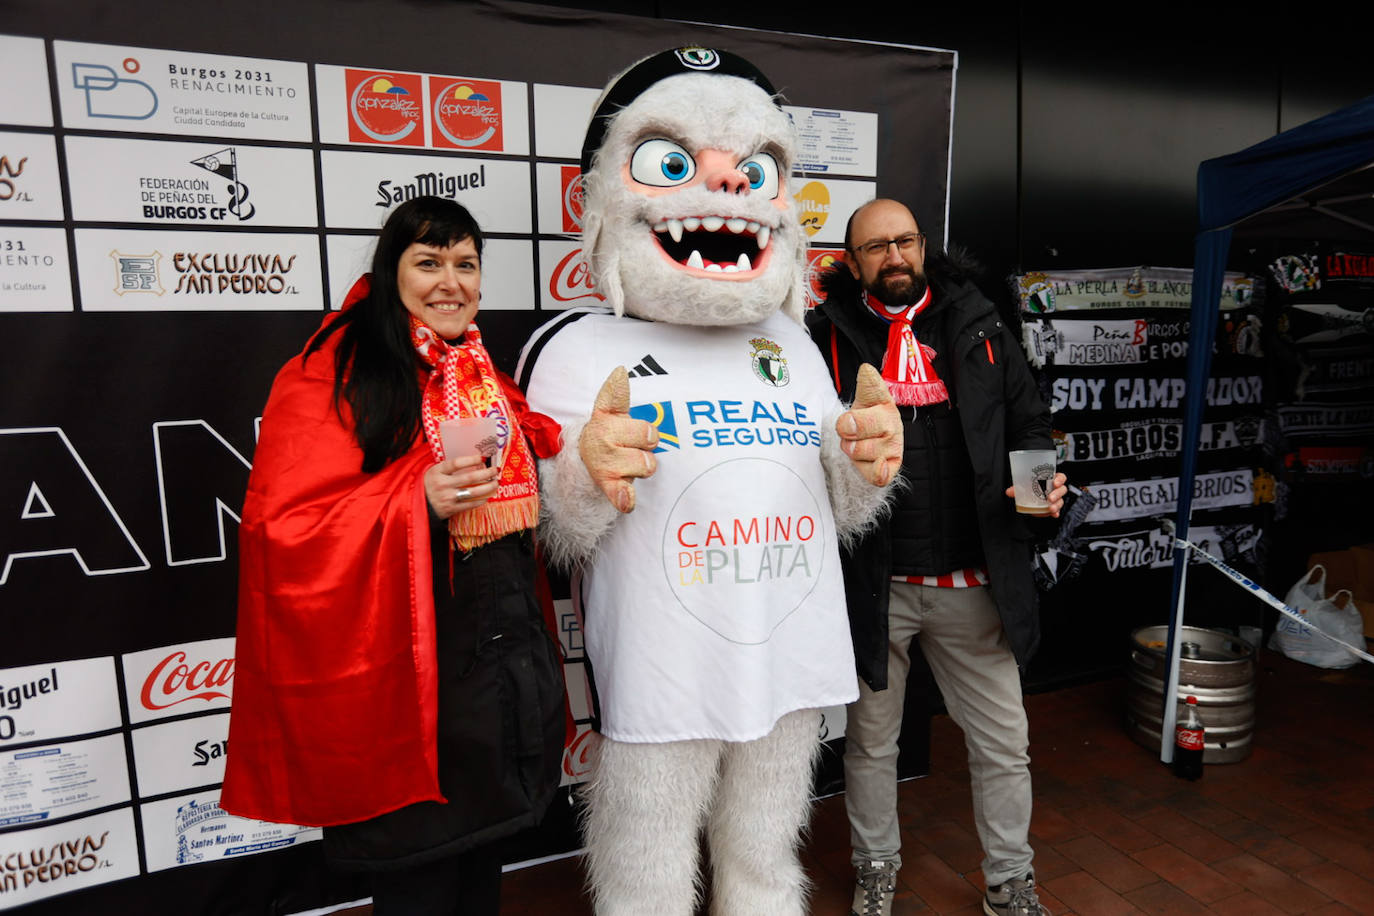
pixel 952 565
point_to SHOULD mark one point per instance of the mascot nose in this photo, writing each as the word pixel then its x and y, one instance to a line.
pixel 721 172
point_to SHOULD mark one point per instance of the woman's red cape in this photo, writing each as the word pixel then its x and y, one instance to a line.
pixel 335 688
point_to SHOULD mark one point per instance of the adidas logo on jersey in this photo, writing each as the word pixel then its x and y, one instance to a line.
pixel 647 366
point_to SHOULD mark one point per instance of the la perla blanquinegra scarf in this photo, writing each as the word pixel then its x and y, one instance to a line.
pixel 463 383
pixel 907 367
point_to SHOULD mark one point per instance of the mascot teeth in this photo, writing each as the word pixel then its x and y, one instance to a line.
pixel 710 242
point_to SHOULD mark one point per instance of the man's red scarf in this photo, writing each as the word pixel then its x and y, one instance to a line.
pixel 907 366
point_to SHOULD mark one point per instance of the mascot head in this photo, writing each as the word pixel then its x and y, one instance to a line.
pixel 687 216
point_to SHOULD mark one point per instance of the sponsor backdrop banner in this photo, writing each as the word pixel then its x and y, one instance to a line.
pixel 183 198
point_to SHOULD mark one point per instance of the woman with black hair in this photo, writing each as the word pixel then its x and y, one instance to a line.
pixel 394 680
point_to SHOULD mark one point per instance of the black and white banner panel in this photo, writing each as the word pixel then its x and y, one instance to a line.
pixel 1129 288
pixel 1153 548
pixel 1086 340
pixel 1144 440
pixel 1110 393
pixel 1327 420
pixel 182 200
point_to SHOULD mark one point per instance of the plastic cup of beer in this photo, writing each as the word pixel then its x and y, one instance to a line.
pixel 1032 477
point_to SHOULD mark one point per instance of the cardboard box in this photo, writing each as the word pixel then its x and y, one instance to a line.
pixel 1341 570
pixel 1366 609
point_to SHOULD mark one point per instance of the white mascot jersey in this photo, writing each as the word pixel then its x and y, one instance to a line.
pixel 716 606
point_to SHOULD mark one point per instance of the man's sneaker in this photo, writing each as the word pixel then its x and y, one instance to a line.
pixel 1014 898
pixel 875 886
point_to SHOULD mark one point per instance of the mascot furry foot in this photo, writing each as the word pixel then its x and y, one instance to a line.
pixel 753 796
pixel 704 503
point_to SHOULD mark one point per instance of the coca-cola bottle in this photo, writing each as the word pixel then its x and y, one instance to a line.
pixel 1189 742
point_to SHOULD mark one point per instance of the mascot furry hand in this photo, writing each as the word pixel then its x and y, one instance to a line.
pixel 715 472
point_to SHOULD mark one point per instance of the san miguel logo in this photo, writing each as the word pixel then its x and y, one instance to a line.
pixel 429 184
pixel 818 261
pixel 385 108
pixel 137 273
pixel 573 195
pixel 178 679
pixel 467 113
pixel 572 279
pixel 768 363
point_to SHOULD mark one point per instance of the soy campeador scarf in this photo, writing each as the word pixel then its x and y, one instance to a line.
pixel 464 383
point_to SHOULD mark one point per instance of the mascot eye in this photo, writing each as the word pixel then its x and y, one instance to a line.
pixel 762 171
pixel 661 163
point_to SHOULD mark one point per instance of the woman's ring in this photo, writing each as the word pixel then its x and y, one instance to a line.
pixel 462 493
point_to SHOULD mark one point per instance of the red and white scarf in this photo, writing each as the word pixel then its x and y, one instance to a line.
pixel 907 366
pixel 464 383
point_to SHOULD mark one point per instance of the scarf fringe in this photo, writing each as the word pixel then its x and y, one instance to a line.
pixel 919 394
pixel 493 521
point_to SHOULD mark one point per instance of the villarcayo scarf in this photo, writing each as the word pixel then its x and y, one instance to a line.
pixel 464 383
pixel 907 366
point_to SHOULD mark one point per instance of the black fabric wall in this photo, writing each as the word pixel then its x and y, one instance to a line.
pixel 1078 129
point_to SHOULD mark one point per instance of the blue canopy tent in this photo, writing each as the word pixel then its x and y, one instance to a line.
pixel 1314 181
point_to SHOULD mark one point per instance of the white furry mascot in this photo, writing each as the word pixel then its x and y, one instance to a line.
pixel 713 606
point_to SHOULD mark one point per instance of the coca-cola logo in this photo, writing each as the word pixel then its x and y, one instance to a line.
pixel 570 177
pixel 572 279
pixel 1190 739
pixel 818 262
pixel 577 762
pixel 176 680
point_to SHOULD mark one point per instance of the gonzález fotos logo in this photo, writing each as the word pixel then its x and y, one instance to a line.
pixel 385 108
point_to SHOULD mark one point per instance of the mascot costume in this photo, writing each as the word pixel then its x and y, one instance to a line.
pixel 713 609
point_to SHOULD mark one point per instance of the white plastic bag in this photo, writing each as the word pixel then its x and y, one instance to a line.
pixel 1336 616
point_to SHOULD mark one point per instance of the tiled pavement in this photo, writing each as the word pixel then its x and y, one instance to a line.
pixel 1290 830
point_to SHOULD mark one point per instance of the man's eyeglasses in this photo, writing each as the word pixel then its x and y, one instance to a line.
pixel 878 247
